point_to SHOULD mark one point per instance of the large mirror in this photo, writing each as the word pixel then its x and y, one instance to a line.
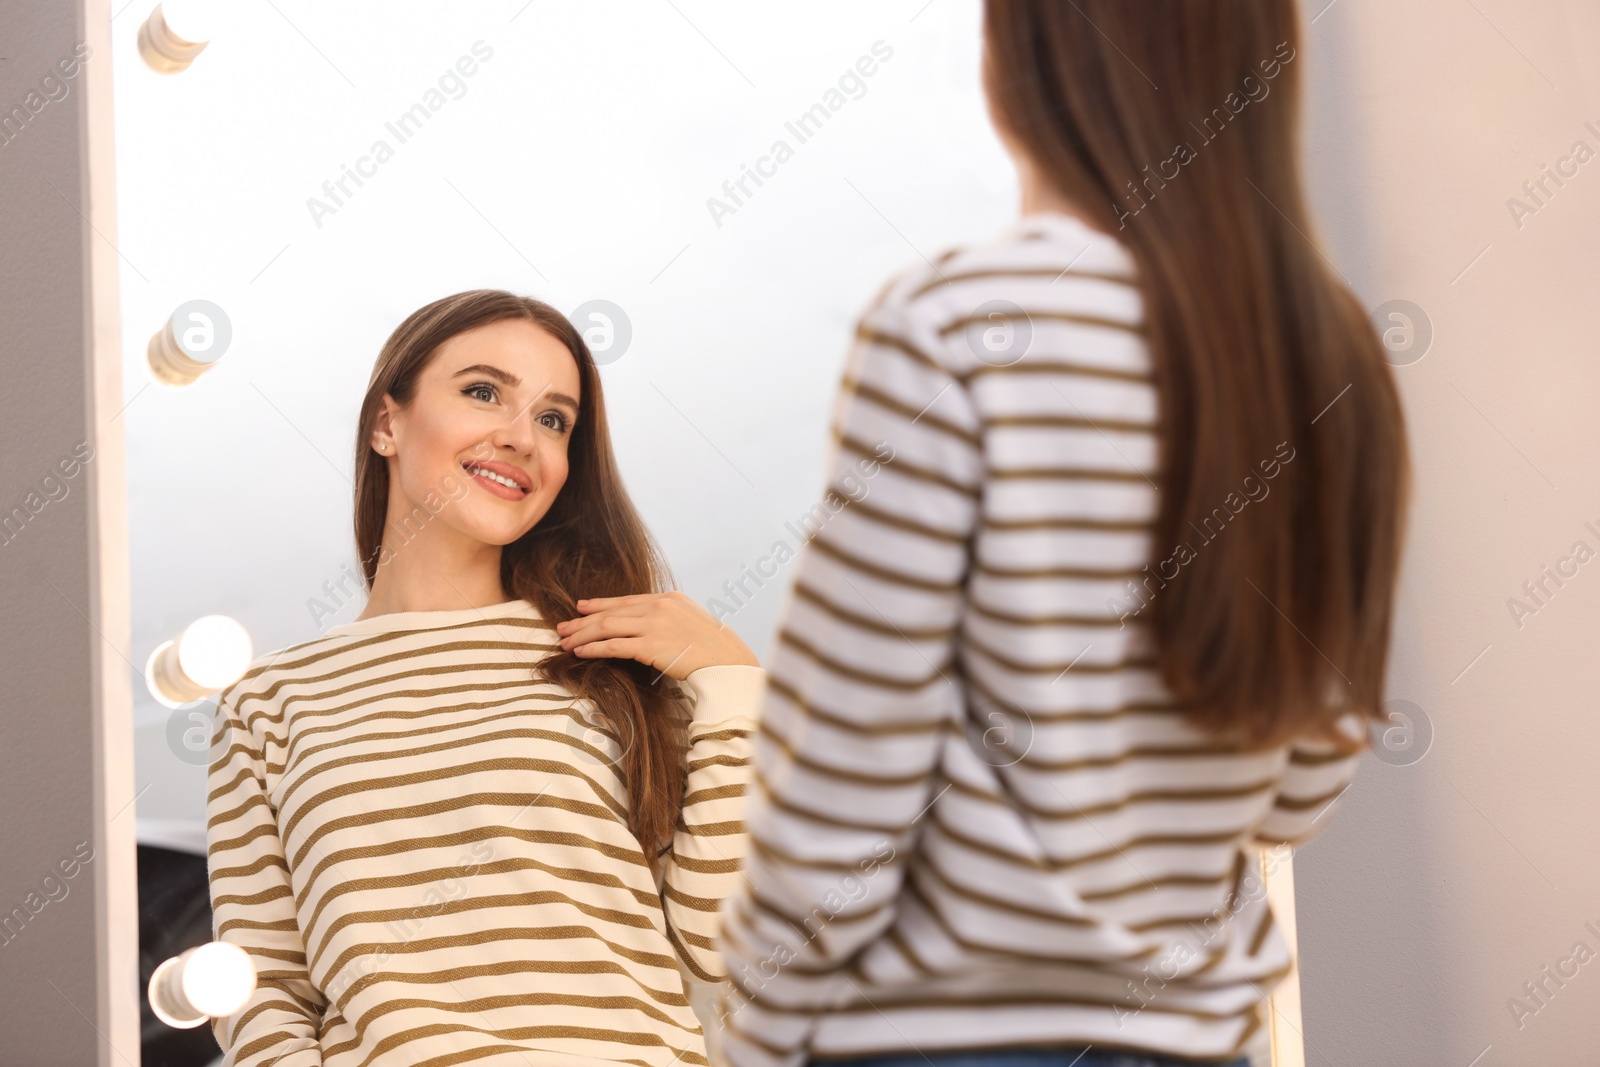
pixel 711 194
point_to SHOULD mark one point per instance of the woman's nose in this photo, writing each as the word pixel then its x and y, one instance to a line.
pixel 516 433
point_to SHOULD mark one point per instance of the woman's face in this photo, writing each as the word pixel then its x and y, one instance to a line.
pixel 498 399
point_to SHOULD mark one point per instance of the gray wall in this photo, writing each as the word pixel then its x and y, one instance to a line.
pixel 1441 886
pixel 68 968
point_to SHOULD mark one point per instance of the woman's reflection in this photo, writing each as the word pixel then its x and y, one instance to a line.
pixel 494 816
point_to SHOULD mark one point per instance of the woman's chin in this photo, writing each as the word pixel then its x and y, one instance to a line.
pixel 498 529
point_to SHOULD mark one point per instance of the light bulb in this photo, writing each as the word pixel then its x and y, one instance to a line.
pixel 205 982
pixel 191 20
pixel 165 48
pixel 191 341
pixel 212 652
pixel 219 978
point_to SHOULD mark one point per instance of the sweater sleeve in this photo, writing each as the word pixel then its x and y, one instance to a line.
pixel 862 689
pixel 1315 777
pixel 709 846
pixel 252 906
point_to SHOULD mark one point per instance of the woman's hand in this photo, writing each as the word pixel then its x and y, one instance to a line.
pixel 668 631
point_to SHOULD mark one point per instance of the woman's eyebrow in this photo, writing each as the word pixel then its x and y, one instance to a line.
pixel 494 372
pixel 563 398
pixel 512 381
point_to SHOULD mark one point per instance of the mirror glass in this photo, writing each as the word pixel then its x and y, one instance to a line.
pixel 713 192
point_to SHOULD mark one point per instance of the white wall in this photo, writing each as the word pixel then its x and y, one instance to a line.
pixel 577 165
pixel 1442 886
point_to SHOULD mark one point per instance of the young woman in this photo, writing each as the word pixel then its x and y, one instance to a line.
pixel 1116 612
pixel 491 819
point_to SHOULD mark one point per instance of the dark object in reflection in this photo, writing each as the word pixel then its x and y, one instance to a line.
pixel 174 914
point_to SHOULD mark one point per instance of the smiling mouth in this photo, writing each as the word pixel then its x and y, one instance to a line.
pixel 498 484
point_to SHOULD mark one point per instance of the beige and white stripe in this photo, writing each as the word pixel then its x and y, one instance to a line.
pixel 977 821
pixel 422 843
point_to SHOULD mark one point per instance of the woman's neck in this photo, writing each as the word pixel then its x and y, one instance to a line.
pixel 443 595
pixel 435 568
pixel 1039 196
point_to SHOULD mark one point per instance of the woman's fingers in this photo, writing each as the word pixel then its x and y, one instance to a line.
pixel 668 631
pixel 601 603
pixel 652 654
pixel 595 627
pixel 635 608
pixel 616 647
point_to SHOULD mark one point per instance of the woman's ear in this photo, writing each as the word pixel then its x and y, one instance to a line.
pixel 383 427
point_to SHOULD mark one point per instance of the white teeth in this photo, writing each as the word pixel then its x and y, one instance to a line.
pixel 496 477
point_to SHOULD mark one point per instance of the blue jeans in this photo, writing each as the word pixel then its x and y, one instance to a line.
pixel 1066 1057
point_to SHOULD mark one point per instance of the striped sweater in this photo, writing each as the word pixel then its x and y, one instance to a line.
pixel 421 842
pixel 976 820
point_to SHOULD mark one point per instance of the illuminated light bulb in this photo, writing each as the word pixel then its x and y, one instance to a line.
pixel 165 44
pixel 195 336
pixel 212 652
pixel 206 982
pixel 193 20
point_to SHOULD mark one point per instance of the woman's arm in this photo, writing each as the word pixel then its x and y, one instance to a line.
pixel 723 682
pixel 703 864
pixel 252 906
pixel 1315 776
pixel 861 690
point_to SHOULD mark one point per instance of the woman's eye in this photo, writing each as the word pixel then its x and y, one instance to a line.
pixel 486 392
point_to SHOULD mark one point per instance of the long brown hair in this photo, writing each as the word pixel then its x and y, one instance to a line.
pixel 591 543
pixel 1176 127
